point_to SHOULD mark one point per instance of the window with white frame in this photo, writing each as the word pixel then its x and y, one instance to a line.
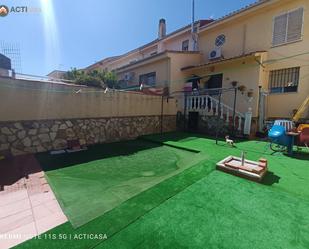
pixel 284 80
pixel 288 27
pixel 185 45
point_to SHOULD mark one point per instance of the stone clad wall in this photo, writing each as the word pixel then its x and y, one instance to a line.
pixel 24 137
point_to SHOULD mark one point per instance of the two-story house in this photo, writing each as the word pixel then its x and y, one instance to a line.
pixel 157 63
pixel 263 47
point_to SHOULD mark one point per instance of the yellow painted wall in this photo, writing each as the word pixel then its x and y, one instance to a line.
pixel 253 32
pixel 28 100
pixel 159 66
pixel 179 61
pixel 175 43
pixel 245 72
pixel 168 69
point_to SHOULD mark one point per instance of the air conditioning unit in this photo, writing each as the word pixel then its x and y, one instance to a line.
pixel 215 54
pixel 133 61
pixel 129 76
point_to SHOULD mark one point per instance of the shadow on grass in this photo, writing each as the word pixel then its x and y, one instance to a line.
pixel 270 179
pixel 95 152
pixel 300 155
pixel 178 137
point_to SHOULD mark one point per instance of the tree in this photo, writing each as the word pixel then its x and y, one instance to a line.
pixel 94 78
pixel 110 79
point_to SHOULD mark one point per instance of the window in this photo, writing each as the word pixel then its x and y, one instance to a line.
pixel 185 45
pixel 288 27
pixel 220 40
pixel 148 79
pixel 284 80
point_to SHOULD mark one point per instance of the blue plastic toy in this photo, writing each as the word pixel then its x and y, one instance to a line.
pixel 280 141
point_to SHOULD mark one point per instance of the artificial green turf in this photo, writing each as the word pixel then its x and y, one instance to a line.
pixel 88 190
pixel 220 211
pixel 222 208
pixel 290 174
pixel 120 217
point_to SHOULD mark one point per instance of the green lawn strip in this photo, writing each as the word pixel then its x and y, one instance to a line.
pixel 101 185
pixel 293 178
pixel 94 152
pixel 171 144
pixel 121 216
pixel 289 174
pixel 220 211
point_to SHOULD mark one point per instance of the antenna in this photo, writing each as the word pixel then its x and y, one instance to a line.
pixel 193 16
pixel 193 30
pixel 12 51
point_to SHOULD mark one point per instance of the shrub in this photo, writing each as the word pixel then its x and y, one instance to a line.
pixel 93 78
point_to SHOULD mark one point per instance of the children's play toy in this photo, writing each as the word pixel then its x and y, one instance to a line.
pixel 282 136
pixel 304 137
pixel 242 167
pixel 279 139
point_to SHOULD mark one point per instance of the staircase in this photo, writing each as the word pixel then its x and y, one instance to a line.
pixel 207 105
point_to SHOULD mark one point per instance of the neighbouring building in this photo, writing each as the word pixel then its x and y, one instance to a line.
pixel 262 47
pixel 158 63
pixel 56 74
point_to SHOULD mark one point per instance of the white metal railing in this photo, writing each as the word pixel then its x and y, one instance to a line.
pixel 207 105
pixel 19 76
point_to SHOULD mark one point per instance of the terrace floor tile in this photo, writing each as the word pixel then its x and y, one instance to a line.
pixel 28 207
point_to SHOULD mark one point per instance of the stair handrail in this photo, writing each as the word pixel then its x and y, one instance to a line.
pixel 222 104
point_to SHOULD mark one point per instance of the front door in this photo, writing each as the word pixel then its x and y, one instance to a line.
pixel 215 81
pixel 193 121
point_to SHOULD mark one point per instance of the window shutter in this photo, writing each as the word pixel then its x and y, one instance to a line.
pixel 284 80
pixel 280 29
pixel 295 25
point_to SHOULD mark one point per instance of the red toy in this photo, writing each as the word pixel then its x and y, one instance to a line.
pixel 304 137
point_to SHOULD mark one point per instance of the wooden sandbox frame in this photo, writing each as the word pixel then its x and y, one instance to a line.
pixel 250 170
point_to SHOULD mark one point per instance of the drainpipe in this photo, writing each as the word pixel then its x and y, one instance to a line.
pixel 162 102
pixel 218 116
pixel 244 40
pixel 185 111
pixel 234 109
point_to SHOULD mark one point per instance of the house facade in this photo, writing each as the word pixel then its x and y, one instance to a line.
pixel 262 47
pixel 158 63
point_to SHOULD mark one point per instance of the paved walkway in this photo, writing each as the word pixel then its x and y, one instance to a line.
pixel 28 206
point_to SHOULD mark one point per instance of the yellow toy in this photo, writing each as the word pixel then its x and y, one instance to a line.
pixel 302 126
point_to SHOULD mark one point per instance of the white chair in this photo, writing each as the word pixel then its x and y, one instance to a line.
pixel 287 124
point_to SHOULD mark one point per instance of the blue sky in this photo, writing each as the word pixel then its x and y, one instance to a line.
pixel 74 33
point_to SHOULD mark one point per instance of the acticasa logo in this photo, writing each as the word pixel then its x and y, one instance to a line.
pixel 4 10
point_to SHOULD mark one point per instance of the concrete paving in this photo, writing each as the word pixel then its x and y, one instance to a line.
pixel 28 206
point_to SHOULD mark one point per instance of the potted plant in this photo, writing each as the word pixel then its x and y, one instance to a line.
pixel 242 89
pixel 234 83
pixel 250 93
